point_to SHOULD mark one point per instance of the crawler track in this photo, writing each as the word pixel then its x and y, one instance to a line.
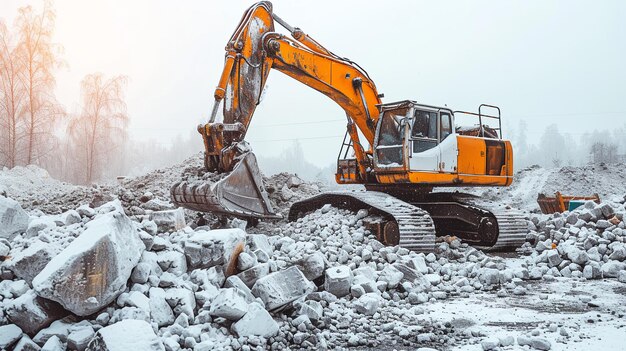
pixel 406 225
pixel 415 224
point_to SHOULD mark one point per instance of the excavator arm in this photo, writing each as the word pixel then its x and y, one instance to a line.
pixel 253 50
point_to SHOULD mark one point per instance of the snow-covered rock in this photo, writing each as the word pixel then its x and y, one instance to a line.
pixel 27 263
pixel 338 280
pixel 13 219
pixel 312 266
pixel 26 344
pixel 252 275
pixel 99 261
pixel 168 220
pixel 126 335
pixel 53 344
pixel 160 311
pixel 205 249
pixel 39 224
pixel 9 335
pixel 612 269
pixel 256 322
pixel 80 338
pixel 229 304
pixel 32 313
pixel 367 304
pixel 280 288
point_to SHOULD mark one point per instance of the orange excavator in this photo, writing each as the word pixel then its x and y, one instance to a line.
pixel 399 151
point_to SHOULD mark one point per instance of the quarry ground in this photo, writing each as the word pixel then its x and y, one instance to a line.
pixel 322 282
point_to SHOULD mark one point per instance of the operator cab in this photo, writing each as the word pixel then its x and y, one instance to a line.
pixel 422 138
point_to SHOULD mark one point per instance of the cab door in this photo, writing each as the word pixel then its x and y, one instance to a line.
pixel 424 141
pixel 448 145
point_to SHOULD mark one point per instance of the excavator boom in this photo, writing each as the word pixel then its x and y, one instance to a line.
pixel 252 51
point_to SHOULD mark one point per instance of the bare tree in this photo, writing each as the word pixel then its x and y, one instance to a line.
pixel 11 99
pixel 604 152
pixel 39 58
pixel 101 127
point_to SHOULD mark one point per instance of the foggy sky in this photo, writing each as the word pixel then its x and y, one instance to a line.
pixel 543 61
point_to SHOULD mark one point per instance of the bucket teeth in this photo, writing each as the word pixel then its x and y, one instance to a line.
pixel 240 193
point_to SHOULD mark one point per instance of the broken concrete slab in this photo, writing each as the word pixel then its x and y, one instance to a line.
pixel 257 322
pixel 13 219
pixel 392 276
pixel 312 309
pixel 281 288
pixel 100 261
pixel 33 313
pixel 126 335
pixel 235 282
pixel 172 261
pixel 206 249
pixel 259 242
pixel 245 261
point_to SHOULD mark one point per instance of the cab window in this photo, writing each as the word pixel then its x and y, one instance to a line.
pixel 424 132
pixel 391 137
pixel 425 125
pixel 446 125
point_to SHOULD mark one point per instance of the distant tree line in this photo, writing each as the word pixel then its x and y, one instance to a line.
pixel 557 149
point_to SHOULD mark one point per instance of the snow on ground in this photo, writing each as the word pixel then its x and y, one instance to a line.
pixel 607 180
pixel 322 282
pixel 590 313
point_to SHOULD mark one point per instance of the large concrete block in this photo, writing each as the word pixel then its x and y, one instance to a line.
pixel 13 219
pixel 93 270
pixel 282 287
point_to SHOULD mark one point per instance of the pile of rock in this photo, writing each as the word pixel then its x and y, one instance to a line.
pixel 80 277
pixel 589 242
pixel 284 189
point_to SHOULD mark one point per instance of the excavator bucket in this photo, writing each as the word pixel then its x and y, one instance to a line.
pixel 240 193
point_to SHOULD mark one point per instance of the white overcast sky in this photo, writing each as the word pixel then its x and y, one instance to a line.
pixel 543 61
